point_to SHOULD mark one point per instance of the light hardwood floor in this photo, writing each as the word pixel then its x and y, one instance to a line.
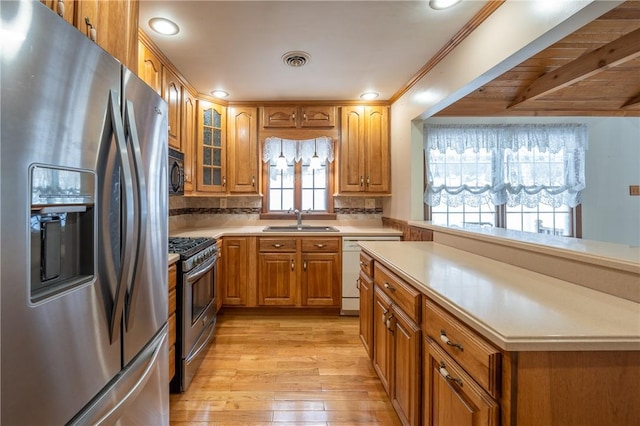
pixel 284 368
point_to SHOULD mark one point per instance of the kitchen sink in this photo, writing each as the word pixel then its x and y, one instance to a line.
pixel 299 228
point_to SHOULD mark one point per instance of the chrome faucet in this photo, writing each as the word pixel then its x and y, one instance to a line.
pixel 298 214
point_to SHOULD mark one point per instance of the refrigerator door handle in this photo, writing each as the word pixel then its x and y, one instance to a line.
pixel 140 194
pixel 108 406
pixel 127 260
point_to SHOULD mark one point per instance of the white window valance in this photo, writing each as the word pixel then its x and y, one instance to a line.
pixel 296 150
pixel 514 164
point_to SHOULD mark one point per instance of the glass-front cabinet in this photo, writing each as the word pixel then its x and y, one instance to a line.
pixel 211 164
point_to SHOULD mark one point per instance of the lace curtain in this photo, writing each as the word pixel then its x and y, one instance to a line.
pixel 296 150
pixel 519 164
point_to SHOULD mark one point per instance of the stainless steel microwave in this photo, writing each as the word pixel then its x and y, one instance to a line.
pixel 176 172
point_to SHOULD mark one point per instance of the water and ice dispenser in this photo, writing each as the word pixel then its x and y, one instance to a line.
pixel 62 228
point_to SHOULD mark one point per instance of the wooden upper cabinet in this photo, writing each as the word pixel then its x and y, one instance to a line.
pixel 365 164
pixel 172 93
pixel 149 68
pixel 242 150
pixel 188 137
pixel 298 116
pixel 211 148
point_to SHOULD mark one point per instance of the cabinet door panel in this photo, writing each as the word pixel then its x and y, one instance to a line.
pixel 149 68
pixel 377 150
pixel 235 266
pixel 351 150
pixel 172 93
pixel 279 116
pixel 382 350
pixel 456 400
pixel 318 116
pixel 366 313
pixel 321 279
pixel 405 395
pixel 188 137
pixel 211 148
pixel 242 150
pixel 277 279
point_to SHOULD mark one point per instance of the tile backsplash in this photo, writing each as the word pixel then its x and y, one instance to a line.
pixel 184 211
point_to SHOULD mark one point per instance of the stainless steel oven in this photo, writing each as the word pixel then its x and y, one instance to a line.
pixel 196 316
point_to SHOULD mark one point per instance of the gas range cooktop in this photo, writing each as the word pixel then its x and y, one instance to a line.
pixel 187 247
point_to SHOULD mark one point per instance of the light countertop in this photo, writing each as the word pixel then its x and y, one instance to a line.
pixel 253 229
pixel 617 256
pixel 516 309
pixel 173 258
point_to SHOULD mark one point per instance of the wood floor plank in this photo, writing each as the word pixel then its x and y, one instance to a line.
pixel 284 368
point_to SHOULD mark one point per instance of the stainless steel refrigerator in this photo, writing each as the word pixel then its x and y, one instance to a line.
pixel 83 230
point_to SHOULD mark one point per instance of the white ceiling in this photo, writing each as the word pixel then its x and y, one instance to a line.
pixel 355 46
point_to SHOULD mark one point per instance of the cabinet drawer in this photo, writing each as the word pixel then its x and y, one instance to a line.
pixel 366 264
pixel 321 245
pixel 400 293
pixel 479 359
pixel 277 244
pixel 172 301
pixel 173 270
pixel 172 329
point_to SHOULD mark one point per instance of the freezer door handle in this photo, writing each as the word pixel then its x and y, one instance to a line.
pixel 140 218
pixel 127 259
pixel 108 406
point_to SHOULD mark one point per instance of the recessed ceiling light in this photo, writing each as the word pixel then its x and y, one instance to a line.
pixel 369 95
pixel 442 4
pixel 164 26
pixel 219 93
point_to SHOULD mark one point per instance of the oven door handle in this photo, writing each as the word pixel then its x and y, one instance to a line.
pixel 203 342
pixel 196 274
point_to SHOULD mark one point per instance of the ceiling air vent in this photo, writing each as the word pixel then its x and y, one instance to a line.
pixel 296 59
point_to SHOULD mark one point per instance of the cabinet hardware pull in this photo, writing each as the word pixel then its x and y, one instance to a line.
pixel 446 375
pixel 320 245
pixel 304 266
pixel 364 264
pixel 384 316
pixel 358 283
pixel 445 339
pixel 60 8
pixel 368 181
pixel 389 286
pixel 224 181
pixel 388 323
pixel 293 116
pixel 293 264
pixel 277 245
pixel 253 181
pixel 361 181
pixel 92 30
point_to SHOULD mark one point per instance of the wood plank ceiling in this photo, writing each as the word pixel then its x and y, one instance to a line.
pixel 594 71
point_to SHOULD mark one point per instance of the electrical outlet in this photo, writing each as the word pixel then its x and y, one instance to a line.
pixel 223 203
pixel 370 203
pixel 634 189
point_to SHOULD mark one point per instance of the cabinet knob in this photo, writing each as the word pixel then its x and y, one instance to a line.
pixel 253 181
pixel 277 245
pixel 91 29
pixel 364 264
pixel 443 371
pixel 389 286
pixel 304 266
pixel 447 341
pixel 320 245
pixel 293 264
pixel 60 8
pixel 361 181
pixel 224 181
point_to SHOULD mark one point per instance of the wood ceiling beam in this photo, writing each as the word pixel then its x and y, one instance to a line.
pixel 615 53
pixel 634 102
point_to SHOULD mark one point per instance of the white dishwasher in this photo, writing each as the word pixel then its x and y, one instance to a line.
pixel 351 271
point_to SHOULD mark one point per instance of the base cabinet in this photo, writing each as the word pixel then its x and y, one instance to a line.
pixel 236 270
pixel 405 392
pixel 382 347
pixel 365 285
pixel 301 271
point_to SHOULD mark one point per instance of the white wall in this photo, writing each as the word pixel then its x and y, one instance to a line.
pixel 513 33
pixel 612 163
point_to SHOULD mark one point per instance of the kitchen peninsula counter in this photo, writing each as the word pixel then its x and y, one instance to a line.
pixel 514 308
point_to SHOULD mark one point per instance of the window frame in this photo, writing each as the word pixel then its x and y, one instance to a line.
pixel 329 214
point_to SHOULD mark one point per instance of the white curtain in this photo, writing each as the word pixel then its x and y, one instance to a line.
pixel 515 164
pixel 296 150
